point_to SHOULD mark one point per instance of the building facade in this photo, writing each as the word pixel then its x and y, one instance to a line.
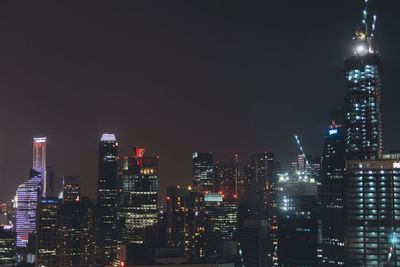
pixel 203 171
pixel 138 196
pixel 107 191
pixel 331 192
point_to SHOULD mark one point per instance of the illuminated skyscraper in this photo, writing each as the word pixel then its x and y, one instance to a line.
pixel 373 213
pixel 363 72
pixel 138 196
pixel 222 214
pixel 107 190
pixel 331 192
pixel 39 160
pixel 7 247
pixel 28 195
pixel 47 232
pixel 203 171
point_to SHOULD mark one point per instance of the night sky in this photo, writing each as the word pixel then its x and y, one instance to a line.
pixel 176 77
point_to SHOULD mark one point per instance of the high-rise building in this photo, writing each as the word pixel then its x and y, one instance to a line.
pixel 226 179
pixel 253 235
pixel 71 188
pixel 27 200
pixel 203 171
pixel 47 232
pixel 138 196
pixel 39 160
pixel 107 191
pixel 264 169
pixel 331 192
pixel 185 221
pixel 363 71
pixel 76 233
pixel 8 250
pixel 222 214
pixel 297 223
pixel 372 213
pixel 262 177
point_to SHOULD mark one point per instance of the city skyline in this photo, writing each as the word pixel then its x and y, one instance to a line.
pixel 76 127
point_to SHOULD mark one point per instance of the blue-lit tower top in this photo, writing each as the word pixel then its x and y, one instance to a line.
pixel 363 97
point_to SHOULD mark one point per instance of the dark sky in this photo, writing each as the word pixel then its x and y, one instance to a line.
pixel 175 77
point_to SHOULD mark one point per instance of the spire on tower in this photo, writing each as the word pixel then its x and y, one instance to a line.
pixel 365 32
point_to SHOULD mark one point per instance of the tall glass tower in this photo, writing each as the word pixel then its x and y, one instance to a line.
pixel 39 160
pixel 363 71
pixel 138 196
pixel 331 192
pixel 107 190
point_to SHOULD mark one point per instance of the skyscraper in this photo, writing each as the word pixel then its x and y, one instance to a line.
pixel 297 223
pixel 203 171
pixel 138 196
pixel 186 221
pixel 373 212
pixel 263 177
pixel 331 192
pixel 47 232
pixel 28 195
pixel 7 247
pixel 363 71
pixel 226 178
pixel 39 160
pixel 107 190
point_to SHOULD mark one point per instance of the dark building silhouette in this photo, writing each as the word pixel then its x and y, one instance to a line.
pixel 107 190
pixel 226 179
pixel 331 192
pixel 186 224
pixel 297 223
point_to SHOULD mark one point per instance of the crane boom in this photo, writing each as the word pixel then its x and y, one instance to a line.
pixel 296 137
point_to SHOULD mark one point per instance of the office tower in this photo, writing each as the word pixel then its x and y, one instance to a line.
pixel 8 251
pixel 203 171
pixel 76 233
pixel 71 188
pixel 263 174
pixel 331 192
pixel 222 214
pixel 372 213
pixel 226 178
pixel 363 71
pixel 39 160
pixel 297 223
pixel 185 221
pixel 47 232
pixel 107 190
pixel 263 170
pixel 28 195
pixel 253 235
pixel 138 196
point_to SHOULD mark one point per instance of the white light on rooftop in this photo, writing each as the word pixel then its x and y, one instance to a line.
pixel 108 137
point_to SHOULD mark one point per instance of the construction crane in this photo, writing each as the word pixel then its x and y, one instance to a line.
pixel 296 137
